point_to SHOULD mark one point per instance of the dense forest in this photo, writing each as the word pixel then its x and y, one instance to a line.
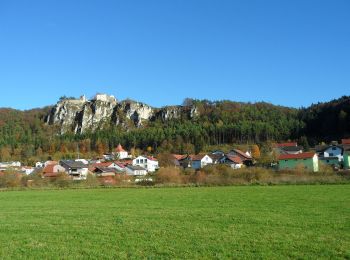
pixel 24 135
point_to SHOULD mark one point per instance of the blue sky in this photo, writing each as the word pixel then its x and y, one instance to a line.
pixel 292 53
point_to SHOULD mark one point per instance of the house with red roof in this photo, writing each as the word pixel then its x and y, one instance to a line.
pixel 200 160
pixel 53 170
pixel 308 161
pixel 234 161
pixel 288 148
pixel 246 158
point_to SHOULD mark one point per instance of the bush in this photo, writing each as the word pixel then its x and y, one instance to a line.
pixel 169 175
pixel 10 179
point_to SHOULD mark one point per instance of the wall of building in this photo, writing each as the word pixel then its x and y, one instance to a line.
pixel 309 164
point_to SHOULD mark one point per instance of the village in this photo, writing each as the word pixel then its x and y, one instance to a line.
pixel 289 156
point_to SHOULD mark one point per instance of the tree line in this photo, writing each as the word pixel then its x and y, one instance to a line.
pixel 24 135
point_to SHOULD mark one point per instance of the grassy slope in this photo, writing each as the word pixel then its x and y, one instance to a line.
pixel 222 222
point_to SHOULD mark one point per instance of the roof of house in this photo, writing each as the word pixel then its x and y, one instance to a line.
pixel 286 144
pixel 106 169
pixel 119 148
pixel 179 157
pixel 345 141
pixel 307 155
pixel 121 165
pixel 216 157
pixel 73 164
pixel 102 164
pixel 197 157
pixel 322 148
pixel 51 162
pixel 242 154
pixel 291 148
pixel 235 159
pixel 136 168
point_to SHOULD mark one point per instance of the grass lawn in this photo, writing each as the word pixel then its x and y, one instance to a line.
pixel 215 222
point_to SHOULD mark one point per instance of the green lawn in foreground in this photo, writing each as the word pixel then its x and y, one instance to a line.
pixel 214 222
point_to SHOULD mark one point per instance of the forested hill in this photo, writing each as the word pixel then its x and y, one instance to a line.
pixel 96 126
pixel 327 121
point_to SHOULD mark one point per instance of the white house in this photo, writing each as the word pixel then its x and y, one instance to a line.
pixel 334 151
pixel 28 170
pixel 201 160
pixel 10 164
pixel 135 170
pixel 149 163
pixel 39 165
pixel 121 153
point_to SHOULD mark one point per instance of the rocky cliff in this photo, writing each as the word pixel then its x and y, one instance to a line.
pixel 81 115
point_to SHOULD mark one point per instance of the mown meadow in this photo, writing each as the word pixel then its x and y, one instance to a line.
pixel 270 222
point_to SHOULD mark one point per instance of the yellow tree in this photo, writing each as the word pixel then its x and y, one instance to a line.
pixel 256 151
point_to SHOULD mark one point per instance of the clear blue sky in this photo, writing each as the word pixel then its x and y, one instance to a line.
pixel 292 53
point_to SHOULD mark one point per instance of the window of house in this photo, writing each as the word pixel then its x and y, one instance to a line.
pixel 330 154
pixel 137 161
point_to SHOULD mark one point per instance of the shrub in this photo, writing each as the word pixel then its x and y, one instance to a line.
pixel 170 175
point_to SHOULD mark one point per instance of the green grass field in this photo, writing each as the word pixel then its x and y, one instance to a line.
pixel 215 222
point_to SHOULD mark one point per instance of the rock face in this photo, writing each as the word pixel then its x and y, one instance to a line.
pixel 81 115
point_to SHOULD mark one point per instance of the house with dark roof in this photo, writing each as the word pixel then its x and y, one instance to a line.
pixel 330 151
pixel 216 157
pixel 106 171
pixel 308 161
pixel 76 169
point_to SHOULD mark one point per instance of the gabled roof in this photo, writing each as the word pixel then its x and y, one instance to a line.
pixel 179 157
pixel 287 144
pixel 102 164
pixel 216 157
pixel 242 154
pixel 121 165
pixel 147 157
pixel 307 155
pixel 235 159
pixel 119 148
pixel 322 148
pixel 73 164
pixel 197 157
pixel 292 148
